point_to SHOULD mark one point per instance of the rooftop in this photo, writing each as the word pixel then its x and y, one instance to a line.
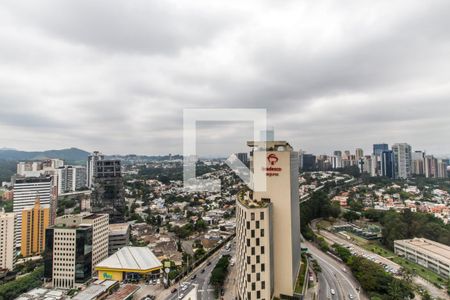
pixel 429 247
pixel 120 228
pixel 131 258
pixel 246 199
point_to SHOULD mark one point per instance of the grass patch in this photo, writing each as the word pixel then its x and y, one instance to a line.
pixel 301 276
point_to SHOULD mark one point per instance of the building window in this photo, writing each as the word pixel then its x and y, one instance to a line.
pixel 249 277
pixel 263 285
pixel 258 276
pixel 257 259
pixel 248 224
pixel 252 216
pixel 258 295
pixel 253 268
pixel 257 224
pixel 262 232
pixel 257 242
pixel 248 242
pixel 253 286
pixel 253 233
pixel 263 249
pixel 248 259
pixel 263 267
pixel 253 250
pixel 261 215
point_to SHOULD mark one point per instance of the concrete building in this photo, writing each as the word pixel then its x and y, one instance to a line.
pixel 7 244
pixel 442 169
pixel 403 160
pixel 431 166
pixel 243 157
pixel 71 179
pixel 418 167
pixel 268 225
pixel 35 220
pixel 359 153
pixel 91 167
pixel 62 244
pixel 68 255
pixel 38 168
pixel 26 190
pixel 119 237
pixel 429 254
pixel 108 192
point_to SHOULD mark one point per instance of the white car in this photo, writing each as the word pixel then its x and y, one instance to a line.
pixel 180 296
pixel 332 292
pixel 350 296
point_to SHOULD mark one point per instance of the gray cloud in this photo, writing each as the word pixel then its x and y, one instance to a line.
pixel 117 76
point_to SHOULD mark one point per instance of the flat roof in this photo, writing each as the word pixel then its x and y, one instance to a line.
pixel 429 247
pixel 120 228
pixel 131 258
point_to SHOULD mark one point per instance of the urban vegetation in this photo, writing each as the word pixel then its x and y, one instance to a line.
pixel 219 274
pixel 13 289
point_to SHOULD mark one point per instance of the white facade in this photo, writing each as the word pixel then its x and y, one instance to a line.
pixel 71 178
pixel 403 160
pixel 7 245
pixel 281 224
pixel 91 167
pixel 39 168
pixel 26 190
pixel 100 237
pixel 64 249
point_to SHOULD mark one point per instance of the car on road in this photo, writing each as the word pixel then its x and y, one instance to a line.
pixel 350 296
pixel 180 296
pixel 209 263
pixel 174 290
pixel 193 277
pixel 202 271
pixel 332 292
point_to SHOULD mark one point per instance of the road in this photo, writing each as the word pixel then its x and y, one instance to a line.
pixel 434 291
pixel 334 276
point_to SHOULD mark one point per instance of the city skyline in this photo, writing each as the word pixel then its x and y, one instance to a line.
pixel 338 73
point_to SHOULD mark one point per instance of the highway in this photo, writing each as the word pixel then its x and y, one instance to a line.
pixel 334 276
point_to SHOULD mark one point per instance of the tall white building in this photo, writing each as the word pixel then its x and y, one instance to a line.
pixel 403 160
pixel 71 178
pixel 7 244
pixel 91 167
pixel 26 190
pixel 418 167
pixel 268 225
pixel 39 168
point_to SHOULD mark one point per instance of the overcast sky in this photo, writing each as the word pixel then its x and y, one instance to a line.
pixel 116 76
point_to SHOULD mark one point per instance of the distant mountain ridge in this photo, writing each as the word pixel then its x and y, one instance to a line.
pixel 68 155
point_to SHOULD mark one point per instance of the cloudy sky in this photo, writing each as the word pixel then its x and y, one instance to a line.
pixel 116 76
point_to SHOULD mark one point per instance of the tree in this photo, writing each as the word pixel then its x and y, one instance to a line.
pixel 350 216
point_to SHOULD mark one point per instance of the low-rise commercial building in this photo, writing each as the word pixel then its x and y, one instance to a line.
pixel 119 237
pixel 129 263
pixel 430 254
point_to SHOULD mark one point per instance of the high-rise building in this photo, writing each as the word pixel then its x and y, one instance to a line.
pixel 337 153
pixel 336 162
pixel 308 162
pixel 403 160
pixel 91 167
pixel 7 243
pixel 268 225
pixel 38 168
pixel 359 153
pixel 108 192
pixel 243 157
pixel 430 165
pixel 418 163
pixel 35 220
pixel 26 190
pixel 388 164
pixel 93 232
pixel 68 255
pixel 442 169
pixel 379 148
pixel 71 178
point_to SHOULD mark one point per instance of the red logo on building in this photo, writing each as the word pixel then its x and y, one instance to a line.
pixel 272 158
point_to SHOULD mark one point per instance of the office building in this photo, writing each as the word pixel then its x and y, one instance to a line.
pixel 71 179
pixel 379 148
pixel 336 162
pixel 91 167
pixel 418 163
pixel 92 230
pixel 268 225
pixel 337 153
pixel 26 190
pixel 68 255
pixel 359 153
pixel 403 160
pixel 35 220
pixel 7 243
pixel 308 162
pixel 442 169
pixel 430 166
pixel 388 164
pixel 429 254
pixel 243 157
pixel 119 237
pixel 38 168
pixel 108 192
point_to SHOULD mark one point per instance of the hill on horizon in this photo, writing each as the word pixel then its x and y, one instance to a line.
pixel 68 155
